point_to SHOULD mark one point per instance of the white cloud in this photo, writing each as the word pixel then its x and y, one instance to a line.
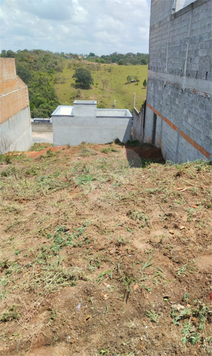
pixel 78 26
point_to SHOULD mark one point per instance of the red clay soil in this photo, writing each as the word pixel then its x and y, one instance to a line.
pixel 151 153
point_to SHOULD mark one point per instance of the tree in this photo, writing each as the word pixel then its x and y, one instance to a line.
pixel 144 83
pixel 129 78
pixel 24 73
pixel 83 78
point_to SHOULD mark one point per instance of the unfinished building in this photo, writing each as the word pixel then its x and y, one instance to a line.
pixel 179 95
pixel 15 122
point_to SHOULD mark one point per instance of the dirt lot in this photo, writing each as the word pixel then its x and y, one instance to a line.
pixel 103 253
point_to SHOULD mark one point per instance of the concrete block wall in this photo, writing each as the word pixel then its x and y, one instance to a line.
pixel 15 122
pixel 161 9
pixel 179 89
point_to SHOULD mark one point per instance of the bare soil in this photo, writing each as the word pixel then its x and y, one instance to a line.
pixel 105 253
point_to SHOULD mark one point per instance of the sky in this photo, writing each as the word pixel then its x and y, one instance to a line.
pixel 75 26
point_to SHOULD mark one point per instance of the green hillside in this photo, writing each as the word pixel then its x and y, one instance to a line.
pixel 110 83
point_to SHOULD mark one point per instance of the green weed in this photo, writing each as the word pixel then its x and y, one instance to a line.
pixel 189 335
pixel 121 241
pixel 53 314
pixel 108 150
pixel 85 179
pixel 190 330
pixel 154 318
pixel 146 264
pixel 139 216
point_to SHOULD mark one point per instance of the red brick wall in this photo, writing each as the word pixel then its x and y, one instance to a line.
pixel 13 92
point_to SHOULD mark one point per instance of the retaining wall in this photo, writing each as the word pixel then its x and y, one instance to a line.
pixel 15 133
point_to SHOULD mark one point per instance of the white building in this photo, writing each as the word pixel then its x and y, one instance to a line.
pixel 83 122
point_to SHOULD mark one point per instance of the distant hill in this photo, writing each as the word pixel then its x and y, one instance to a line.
pixel 111 82
pixel 49 78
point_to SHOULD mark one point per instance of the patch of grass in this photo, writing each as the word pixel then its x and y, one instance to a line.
pixel 53 277
pixel 9 315
pixel 190 329
pixel 133 143
pixel 85 179
pixel 190 267
pixel 40 146
pixel 155 190
pixel 50 153
pixel 60 238
pixel 7 159
pixel 189 336
pixel 128 281
pixel 108 150
pixel 8 172
pixel 121 241
pixel 146 162
pixel 53 314
pixel 85 152
pixel 138 216
pixel 146 264
pixel 104 352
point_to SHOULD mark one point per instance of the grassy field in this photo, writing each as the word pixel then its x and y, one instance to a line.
pixel 109 84
pixel 101 257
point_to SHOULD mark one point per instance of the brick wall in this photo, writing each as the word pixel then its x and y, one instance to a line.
pixel 13 92
pixel 179 89
pixel 15 122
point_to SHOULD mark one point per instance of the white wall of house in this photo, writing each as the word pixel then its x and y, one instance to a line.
pixel 183 3
pixel 91 125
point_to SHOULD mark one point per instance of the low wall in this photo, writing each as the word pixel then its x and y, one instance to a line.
pixel 138 121
pixel 15 133
pixel 41 126
pixel 73 131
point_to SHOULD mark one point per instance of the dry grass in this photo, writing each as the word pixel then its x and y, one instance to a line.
pixel 83 229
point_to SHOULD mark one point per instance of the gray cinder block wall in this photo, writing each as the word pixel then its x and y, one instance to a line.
pixel 179 93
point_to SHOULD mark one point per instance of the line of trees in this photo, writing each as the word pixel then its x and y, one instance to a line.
pixel 119 58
